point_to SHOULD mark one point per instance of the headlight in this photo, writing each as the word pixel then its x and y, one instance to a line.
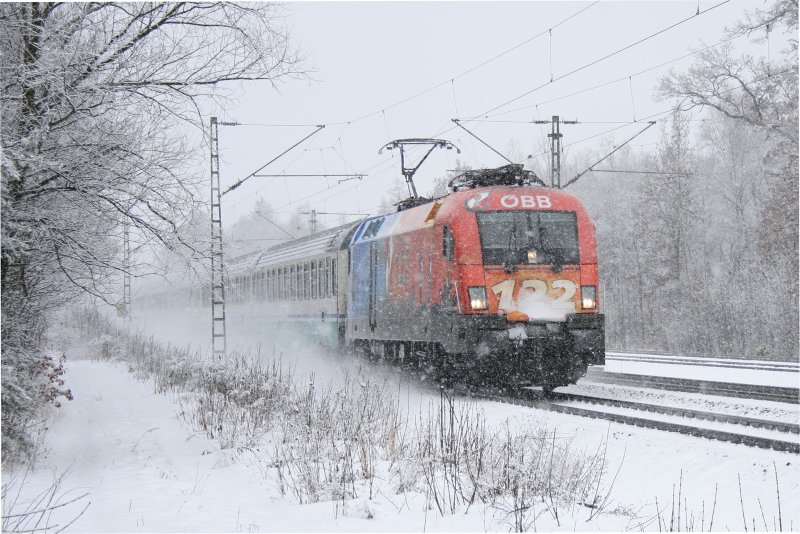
pixel 588 297
pixel 477 298
pixel 533 256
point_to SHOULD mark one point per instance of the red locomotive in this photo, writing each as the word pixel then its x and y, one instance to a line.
pixel 498 279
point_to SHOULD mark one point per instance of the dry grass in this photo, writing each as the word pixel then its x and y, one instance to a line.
pixel 320 443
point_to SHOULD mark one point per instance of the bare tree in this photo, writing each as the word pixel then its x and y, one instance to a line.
pixel 95 97
pixel 761 94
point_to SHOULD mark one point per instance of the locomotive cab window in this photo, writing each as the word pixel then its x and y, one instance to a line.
pixel 448 244
pixel 528 237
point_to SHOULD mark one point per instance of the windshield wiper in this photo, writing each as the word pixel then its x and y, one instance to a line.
pixel 508 263
pixel 558 259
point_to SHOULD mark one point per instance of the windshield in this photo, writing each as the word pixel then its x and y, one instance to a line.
pixel 528 237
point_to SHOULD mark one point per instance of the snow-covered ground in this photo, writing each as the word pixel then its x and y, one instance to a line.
pixel 144 469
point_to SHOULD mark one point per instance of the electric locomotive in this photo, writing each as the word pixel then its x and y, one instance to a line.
pixel 497 280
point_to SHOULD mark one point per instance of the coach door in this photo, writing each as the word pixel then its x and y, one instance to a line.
pixel 373 286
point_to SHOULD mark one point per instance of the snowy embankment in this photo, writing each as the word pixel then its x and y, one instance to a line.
pixel 246 446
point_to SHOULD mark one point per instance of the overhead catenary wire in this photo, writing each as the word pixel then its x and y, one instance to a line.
pixel 240 182
pixel 611 82
pixel 445 129
pixel 667 111
pixel 468 71
pixel 451 80
pixel 279 227
pixel 623 171
pixel 591 167
pixel 603 58
pixel 457 123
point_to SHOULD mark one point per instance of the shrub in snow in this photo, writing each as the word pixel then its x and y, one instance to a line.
pixel 31 380
pixel 323 443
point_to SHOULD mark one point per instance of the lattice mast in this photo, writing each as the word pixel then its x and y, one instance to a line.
pixel 218 341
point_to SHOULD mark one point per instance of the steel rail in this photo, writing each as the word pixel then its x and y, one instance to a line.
pixel 768 424
pixel 724 389
pixel 718 435
pixel 699 362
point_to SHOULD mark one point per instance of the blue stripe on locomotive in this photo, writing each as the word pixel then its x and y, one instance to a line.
pixel 358 307
pixel 372 230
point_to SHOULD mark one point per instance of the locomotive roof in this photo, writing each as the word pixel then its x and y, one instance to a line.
pixel 463 201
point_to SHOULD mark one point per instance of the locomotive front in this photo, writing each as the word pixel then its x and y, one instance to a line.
pixel 526 265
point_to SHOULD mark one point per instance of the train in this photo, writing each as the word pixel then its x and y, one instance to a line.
pixel 497 281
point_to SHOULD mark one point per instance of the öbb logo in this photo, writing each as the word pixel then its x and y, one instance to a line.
pixel 525 201
pixel 479 201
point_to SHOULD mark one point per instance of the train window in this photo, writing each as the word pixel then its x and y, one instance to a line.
pixel 328 277
pixel 292 283
pixel 320 278
pixel 299 281
pixel 523 237
pixel 448 244
pixel 333 277
pixel 306 285
pixel 314 280
pixel 262 286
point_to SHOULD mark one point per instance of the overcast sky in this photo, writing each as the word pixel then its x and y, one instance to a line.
pixel 369 58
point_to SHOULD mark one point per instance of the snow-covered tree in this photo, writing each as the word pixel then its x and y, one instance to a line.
pixel 760 94
pixel 93 98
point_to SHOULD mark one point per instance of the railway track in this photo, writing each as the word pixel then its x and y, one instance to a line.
pixel 557 404
pixel 775 366
pixel 724 389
